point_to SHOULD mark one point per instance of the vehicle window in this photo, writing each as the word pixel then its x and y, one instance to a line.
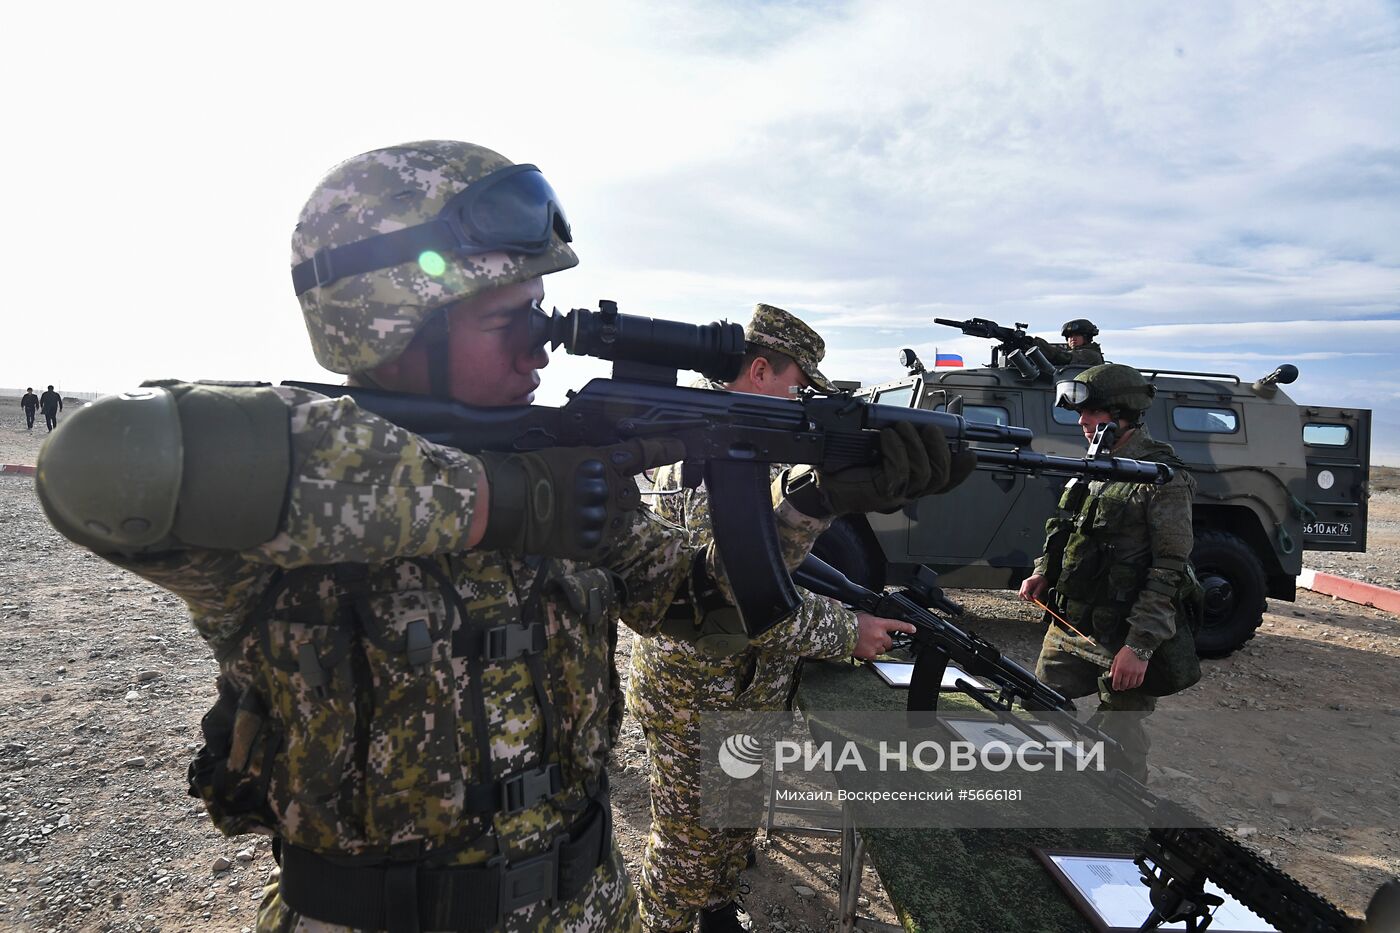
pixel 1326 435
pixel 987 414
pixel 903 396
pixel 1064 415
pixel 1205 420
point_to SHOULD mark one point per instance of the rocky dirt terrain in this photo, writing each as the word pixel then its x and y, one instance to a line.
pixel 103 682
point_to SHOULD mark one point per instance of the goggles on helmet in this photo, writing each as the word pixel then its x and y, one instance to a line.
pixel 1071 394
pixel 513 209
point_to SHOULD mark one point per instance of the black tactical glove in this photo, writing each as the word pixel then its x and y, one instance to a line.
pixel 914 462
pixel 960 467
pixel 568 502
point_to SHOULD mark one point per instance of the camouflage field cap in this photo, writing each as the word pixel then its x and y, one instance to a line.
pixel 778 330
pixel 361 321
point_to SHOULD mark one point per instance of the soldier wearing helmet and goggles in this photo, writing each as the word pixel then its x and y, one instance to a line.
pixel 1079 348
pixel 412 640
pixel 1115 571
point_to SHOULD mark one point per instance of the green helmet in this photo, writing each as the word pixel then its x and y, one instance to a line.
pixel 1081 326
pixel 1111 387
pixel 390 236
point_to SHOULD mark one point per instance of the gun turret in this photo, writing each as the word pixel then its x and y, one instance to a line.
pixel 1019 350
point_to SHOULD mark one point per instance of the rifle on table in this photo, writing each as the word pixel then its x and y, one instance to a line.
pixel 1018 348
pixel 730 438
pixel 1175 859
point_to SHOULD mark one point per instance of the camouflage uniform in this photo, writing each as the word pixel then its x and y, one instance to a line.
pixel 1062 354
pixel 688 866
pixel 1121 555
pixel 390 702
pixel 367 585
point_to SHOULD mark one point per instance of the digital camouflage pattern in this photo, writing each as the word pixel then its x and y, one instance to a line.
pixel 688 866
pixel 1062 354
pixel 358 322
pixel 1120 559
pixel 351 643
pixel 778 330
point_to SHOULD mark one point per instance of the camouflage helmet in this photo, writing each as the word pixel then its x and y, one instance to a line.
pixel 1112 387
pixel 362 316
pixel 1082 326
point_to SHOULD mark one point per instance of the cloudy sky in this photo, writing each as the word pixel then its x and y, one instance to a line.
pixel 1215 184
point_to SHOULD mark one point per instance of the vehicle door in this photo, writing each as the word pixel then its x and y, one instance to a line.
pixel 1337 447
pixel 978 522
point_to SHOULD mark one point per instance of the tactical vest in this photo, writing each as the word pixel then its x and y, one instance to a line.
pixel 451 708
pixel 1097 586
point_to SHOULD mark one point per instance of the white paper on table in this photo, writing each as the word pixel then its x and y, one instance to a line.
pixel 899 674
pixel 1113 887
pixel 981 732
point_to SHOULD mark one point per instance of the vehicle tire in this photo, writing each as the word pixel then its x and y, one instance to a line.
pixel 1235 589
pixel 844 547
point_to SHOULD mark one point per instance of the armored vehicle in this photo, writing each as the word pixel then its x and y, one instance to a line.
pixel 1274 478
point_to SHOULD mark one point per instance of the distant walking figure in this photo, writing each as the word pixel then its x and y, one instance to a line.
pixel 52 403
pixel 30 404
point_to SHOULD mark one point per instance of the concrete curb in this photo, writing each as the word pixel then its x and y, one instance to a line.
pixel 1353 591
pixel 16 468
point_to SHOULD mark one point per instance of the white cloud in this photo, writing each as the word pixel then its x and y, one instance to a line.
pixel 870 164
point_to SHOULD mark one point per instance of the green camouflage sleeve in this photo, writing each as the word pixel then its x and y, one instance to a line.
pixel 1057 353
pixel 1091 354
pixel 822 629
pixel 1152 619
pixel 220 587
pixel 1052 527
pixel 363 490
pixel 654 562
pixel 360 489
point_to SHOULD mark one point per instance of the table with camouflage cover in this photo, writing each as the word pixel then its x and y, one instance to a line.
pixel 956 880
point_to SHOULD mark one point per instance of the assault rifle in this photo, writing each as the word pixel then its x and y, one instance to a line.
pixel 1018 348
pixel 1178 856
pixel 730 438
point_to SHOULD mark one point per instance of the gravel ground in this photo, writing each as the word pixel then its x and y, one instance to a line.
pixel 103 682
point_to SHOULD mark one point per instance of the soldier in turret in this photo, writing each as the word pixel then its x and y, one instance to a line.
pixel 1079 348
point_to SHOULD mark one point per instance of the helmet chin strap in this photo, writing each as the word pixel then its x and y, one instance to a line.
pixel 435 335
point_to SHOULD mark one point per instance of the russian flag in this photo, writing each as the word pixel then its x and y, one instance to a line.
pixel 947 359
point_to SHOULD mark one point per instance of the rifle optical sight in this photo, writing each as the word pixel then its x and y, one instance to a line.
pixel 716 350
